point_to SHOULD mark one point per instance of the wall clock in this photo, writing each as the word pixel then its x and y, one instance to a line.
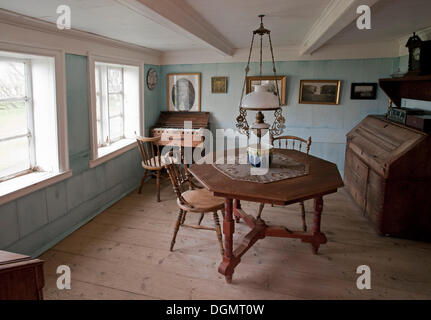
pixel 151 79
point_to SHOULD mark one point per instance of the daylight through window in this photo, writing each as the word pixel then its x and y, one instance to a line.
pixel 117 104
pixel 16 118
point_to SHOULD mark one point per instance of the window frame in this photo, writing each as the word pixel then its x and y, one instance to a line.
pixel 104 100
pixel 24 184
pixel 28 101
pixel 122 145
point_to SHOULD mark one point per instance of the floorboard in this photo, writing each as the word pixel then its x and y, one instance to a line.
pixel 123 253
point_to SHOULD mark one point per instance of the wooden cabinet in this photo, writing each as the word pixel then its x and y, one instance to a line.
pixel 388 173
pixel 21 278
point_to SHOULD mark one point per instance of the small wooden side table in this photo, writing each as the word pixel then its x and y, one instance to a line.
pixel 21 277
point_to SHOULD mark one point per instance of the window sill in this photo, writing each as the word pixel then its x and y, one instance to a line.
pixel 112 151
pixel 20 186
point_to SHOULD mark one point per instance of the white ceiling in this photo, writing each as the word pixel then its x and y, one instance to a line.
pixel 109 18
pixel 225 24
pixel 391 20
pixel 288 20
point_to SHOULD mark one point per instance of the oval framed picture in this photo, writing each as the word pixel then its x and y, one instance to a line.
pixel 184 91
pixel 152 79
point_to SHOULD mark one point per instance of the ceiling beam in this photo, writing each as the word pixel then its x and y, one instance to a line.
pixel 180 17
pixel 334 18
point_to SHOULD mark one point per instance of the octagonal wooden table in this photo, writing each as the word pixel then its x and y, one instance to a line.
pixel 323 179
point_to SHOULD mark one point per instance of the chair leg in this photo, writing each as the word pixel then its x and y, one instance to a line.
pixel 177 227
pixel 200 219
pixel 143 181
pixel 183 219
pixel 218 231
pixel 304 224
pixel 158 185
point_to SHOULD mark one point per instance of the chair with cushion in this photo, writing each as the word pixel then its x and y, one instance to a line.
pixel 152 162
pixel 191 199
pixel 299 144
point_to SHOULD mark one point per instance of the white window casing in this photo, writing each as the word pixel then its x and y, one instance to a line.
pixel 46 119
pixel 131 115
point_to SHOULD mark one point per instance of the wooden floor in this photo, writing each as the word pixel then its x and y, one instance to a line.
pixel 124 254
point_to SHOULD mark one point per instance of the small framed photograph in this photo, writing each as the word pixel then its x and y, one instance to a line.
pixel 272 83
pixel 320 92
pixel 363 91
pixel 184 91
pixel 219 85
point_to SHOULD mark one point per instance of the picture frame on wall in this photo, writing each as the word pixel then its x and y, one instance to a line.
pixel 320 92
pixel 363 91
pixel 219 85
pixel 183 91
pixel 271 81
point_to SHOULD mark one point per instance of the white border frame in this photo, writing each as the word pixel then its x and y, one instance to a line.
pixel 95 160
pixel 59 56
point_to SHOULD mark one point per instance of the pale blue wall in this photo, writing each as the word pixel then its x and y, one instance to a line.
pixel 327 125
pixel 37 221
pixel 151 99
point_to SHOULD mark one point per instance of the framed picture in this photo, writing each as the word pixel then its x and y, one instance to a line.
pixel 319 92
pixel 184 91
pixel 272 82
pixel 363 91
pixel 219 85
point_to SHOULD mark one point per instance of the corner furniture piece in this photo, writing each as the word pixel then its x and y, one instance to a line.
pixel 417 87
pixel 388 174
pixel 193 200
pixel 322 179
pixel 21 278
pixel 151 160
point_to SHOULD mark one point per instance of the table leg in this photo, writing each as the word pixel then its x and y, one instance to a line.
pixel 225 267
pixel 319 236
pixel 237 205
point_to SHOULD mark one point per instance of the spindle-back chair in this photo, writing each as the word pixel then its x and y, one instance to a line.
pixel 294 143
pixel 191 199
pixel 152 162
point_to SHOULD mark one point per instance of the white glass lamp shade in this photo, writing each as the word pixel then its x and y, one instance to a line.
pixel 261 99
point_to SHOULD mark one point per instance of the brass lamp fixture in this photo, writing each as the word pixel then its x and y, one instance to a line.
pixel 261 99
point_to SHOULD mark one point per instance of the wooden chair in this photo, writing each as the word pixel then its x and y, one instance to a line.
pixel 295 143
pixel 151 160
pixel 193 200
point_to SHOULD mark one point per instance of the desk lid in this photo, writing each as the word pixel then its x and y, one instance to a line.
pixel 174 119
pixel 380 142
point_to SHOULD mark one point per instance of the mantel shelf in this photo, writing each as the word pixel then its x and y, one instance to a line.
pixel 409 87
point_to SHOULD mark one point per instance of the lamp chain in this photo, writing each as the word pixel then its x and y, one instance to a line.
pixel 241 120
pixel 278 124
pixel 242 124
pixel 261 37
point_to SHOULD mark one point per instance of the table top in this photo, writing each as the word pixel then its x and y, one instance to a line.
pixel 323 178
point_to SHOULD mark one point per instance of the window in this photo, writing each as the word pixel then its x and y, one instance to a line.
pixel 16 118
pixel 115 108
pixel 110 104
pixel 33 126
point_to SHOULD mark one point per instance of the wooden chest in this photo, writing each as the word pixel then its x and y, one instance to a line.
pixel 388 174
pixel 21 278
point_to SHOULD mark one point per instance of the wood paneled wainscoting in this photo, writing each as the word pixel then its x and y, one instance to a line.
pixel 124 254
